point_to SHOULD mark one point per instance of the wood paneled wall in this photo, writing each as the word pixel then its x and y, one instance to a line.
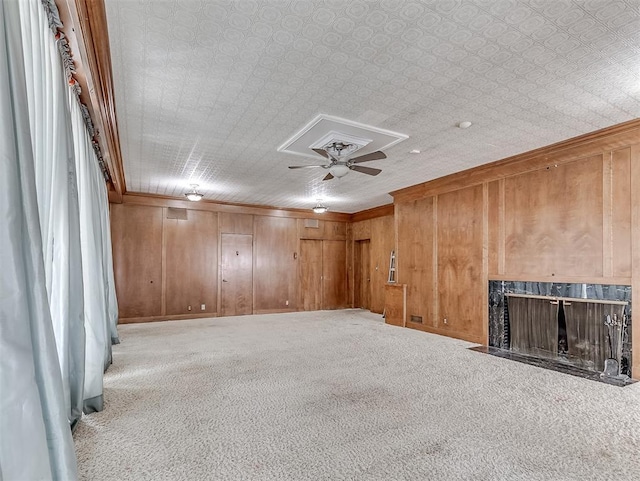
pixel 565 213
pixel 380 232
pixel 170 257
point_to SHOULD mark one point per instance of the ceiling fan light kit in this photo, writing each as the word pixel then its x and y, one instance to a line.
pixel 337 153
pixel 194 195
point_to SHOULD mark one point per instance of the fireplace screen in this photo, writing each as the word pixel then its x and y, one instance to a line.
pixel 549 321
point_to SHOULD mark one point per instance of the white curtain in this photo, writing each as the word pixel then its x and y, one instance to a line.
pixel 100 309
pixel 56 187
pixel 35 439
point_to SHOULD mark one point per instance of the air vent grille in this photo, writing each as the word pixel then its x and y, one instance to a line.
pixel 416 319
pixel 177 213
pixel 312 223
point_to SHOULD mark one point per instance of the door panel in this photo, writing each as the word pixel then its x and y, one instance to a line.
pixel 311 275
pixel 362 265
pixel 334 274
pixel 237 274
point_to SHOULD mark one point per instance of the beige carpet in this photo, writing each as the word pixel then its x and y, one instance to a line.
pixel 339 395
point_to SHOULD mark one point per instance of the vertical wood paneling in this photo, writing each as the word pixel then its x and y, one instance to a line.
pixel 334 274
pixel 275 269
pixel 635 251
pixel 415 256
pixel 236 266
pixel 493 224
pixel 553 220
pixel 362 267
pixel 310 275
pixel 607 210
pixel 621 212
pixel 232 223
pixel 460 261
pixel 382 243
pixel 362 230
pixel 136 233
pixel 191 248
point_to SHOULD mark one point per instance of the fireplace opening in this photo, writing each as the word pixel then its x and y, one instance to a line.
pixel 549 323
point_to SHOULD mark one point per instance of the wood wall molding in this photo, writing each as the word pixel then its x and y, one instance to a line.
pixel 166 201
pixel 85 26
pixel 610 138
pixel 372 213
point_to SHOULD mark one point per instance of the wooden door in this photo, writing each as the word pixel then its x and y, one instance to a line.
pixel 334 274
pixel 311 275
pixel 236 292
pixel 362 267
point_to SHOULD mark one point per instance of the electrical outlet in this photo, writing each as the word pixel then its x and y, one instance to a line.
pixel 202 307
pixel 189 308
pixel 286 303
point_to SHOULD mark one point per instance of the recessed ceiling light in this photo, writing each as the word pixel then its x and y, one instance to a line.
pixel 414 151
pixel 465 125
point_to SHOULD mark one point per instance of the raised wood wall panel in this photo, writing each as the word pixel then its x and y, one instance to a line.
pixel 310 259
pixel 620 213
pixel 334 274
pixel 361 230
pixel 305 232
pixel 395 302
pixel 275 268
pixel 493 221
pixel 236 223
pixel 553 220
pixel 382 243
pixel 362 276
pixel 414 258
pixel 136 233
pixel 191 260
pixel 335 230
pixel 461 302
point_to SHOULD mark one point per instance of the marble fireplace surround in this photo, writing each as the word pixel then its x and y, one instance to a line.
pixel 562 326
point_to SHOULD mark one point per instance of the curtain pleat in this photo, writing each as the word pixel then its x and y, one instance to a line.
pixel 35 439
pixel 56 186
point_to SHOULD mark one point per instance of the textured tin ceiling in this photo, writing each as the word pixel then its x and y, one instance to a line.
pixel 207 91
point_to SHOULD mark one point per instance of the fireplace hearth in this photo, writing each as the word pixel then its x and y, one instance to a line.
pixel 574 328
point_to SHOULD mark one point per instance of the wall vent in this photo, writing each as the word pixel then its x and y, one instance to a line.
pixel 416 319
pixel 177 213
pixel 312 223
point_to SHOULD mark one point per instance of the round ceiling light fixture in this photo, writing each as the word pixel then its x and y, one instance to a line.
pixel 320 208
pixel 339 170
pixel 194 195
pixel 465 125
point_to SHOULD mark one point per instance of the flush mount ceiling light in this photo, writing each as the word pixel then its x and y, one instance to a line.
pixel 320 208
pixel 465 125
pixel 339 170
pixel 194 195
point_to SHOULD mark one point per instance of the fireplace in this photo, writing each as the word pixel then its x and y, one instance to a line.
pixel 576 327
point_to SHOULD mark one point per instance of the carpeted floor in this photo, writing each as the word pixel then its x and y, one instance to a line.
pixel 339 395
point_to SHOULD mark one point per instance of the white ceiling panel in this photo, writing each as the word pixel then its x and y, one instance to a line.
pixel 206 91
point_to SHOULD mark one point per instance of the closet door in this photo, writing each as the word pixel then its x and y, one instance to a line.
pixel 236 291
pixel 311 275
pixel 334 274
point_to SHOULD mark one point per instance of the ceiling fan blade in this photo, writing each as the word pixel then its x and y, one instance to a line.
pixel 368 157
pixel 365 170
pixel 329 176
pixel 305 166
pixel 322 153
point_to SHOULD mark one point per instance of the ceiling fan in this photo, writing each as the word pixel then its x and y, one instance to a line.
pixel 340 164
